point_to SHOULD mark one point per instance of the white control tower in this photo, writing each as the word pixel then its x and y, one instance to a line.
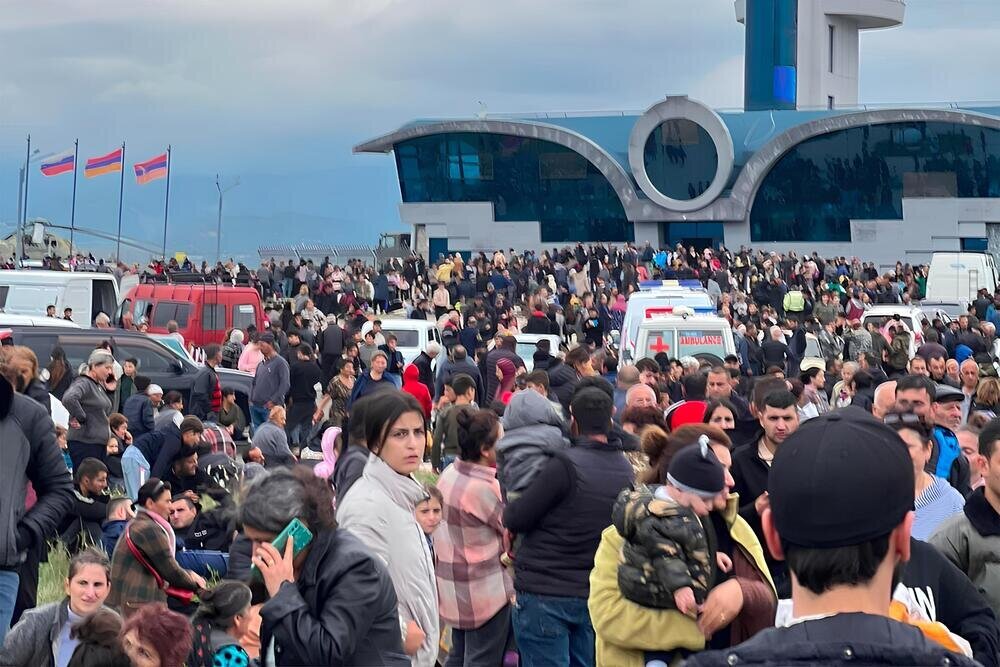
pixel 804 53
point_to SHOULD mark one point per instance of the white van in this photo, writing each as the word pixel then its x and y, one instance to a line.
pixel 705 337
pixel 960 275
pixel 29 292
pixel 642 305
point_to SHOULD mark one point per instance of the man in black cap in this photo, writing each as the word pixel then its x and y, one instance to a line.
pixel 840 514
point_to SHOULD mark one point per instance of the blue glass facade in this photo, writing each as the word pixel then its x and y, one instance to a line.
pixel 680 158
pixel 863 173
pixel 770 54
pixel 525 179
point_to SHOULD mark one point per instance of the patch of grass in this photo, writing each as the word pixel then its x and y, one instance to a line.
pixel 52 575
pixel 425 477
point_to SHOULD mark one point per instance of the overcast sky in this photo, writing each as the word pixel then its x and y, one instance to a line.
pixel 278 91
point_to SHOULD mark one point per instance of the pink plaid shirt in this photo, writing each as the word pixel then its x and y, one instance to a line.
pixel 472 584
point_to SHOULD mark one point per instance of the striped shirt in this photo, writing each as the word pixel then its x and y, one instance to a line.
pixel 472 583
pixel 938 502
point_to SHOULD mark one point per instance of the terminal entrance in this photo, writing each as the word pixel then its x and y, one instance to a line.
pixel 701 235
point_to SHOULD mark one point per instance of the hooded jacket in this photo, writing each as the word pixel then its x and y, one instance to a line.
pixel 413 386
pixel 532 434
pixel 380 513
pixel 562 514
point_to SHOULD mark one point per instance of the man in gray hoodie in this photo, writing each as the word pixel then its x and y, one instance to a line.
pixel 533 432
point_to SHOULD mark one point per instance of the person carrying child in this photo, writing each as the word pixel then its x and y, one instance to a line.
pixel 668 557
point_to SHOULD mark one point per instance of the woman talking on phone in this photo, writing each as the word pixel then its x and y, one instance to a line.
pixel 380 511
pixel 329 601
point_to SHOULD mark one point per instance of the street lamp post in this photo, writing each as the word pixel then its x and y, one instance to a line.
pixel 22 206
pixel 218 230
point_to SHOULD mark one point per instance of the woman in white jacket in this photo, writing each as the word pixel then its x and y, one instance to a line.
pixel 379 510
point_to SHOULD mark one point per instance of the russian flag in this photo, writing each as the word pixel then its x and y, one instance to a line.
pixel 150 170
pixel 60 163
pixel 105 164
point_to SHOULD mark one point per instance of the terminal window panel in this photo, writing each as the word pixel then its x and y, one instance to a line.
pixel 525 180
pixel 813 192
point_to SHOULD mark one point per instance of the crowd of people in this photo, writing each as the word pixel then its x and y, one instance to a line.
pixel 468 508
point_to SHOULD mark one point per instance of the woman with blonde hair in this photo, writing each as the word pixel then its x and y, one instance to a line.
pixel 987 396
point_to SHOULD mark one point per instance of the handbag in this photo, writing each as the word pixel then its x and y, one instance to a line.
pixel 180 594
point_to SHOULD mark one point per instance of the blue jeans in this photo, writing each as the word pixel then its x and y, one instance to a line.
pixel 258 416
pixel 553 631
pixel 206 563
pixel 9 582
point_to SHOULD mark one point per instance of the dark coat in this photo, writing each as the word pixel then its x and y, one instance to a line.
pixel 843 639
pixel 30 454
pixel 423 363
pixel 342 610
pixel 750 475
pixel 562 515
pixel 139 411
pixel 562 382
pixel 204 386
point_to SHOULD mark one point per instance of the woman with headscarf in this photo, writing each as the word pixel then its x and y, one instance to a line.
pixel 506 372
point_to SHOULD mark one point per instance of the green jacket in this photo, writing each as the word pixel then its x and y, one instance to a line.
pixel 445 441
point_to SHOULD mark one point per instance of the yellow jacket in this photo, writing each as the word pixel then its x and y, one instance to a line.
pixel 625 629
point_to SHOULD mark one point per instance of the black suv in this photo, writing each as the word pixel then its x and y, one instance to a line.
pixel 156 361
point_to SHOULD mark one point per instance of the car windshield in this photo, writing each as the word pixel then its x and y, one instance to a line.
pixel 880 320
pixel 404 337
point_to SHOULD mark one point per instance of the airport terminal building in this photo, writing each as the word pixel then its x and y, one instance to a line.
pixel 802 167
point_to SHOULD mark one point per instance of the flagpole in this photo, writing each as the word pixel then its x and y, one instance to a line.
pixel 72 214
pixel 24 220
pixel 121 198
pixel 166 208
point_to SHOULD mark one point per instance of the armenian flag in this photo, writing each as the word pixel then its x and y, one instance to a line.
pixel 152 169
pixel 60 163
pixel 106 164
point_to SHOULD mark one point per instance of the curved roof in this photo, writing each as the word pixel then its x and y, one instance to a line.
pixel 759 138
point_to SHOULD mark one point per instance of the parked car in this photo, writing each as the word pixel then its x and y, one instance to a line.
pixel 412 336
pixel 203 312
pixel 161 365
pixel 11 320
pixel 911 316
pixel 527 344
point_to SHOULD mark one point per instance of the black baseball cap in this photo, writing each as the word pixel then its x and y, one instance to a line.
pixel 841 479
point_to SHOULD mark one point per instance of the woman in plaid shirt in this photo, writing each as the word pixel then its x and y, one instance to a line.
pixel 473 587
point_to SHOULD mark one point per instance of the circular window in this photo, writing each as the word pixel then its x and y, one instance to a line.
pixel 680 158
pixel 681 154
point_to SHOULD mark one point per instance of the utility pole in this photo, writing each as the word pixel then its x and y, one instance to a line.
pixel 218 230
